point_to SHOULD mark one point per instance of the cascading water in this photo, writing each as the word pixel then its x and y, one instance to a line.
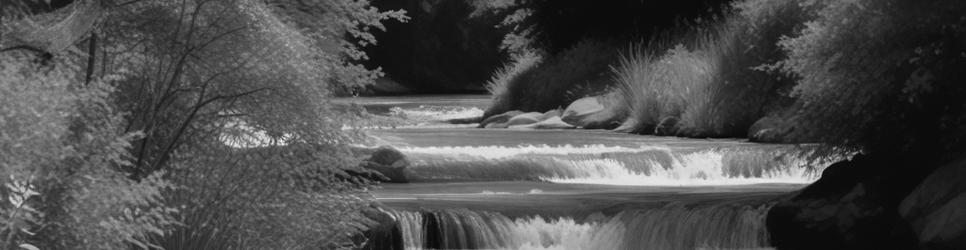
pixel 597 164
pixel 675 226
pixel 577 189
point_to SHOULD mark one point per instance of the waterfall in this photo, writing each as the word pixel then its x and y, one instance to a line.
pixel 675 226
pixel 611 165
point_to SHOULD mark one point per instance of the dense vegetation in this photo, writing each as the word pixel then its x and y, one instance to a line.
pixel 859 75
pixel 195 124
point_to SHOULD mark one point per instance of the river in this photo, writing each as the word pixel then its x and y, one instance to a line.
pixel 471 188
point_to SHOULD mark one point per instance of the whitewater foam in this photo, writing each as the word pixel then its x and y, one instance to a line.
pixel 724 226
pixel 436 113
pixel 609 165
pixel 502 152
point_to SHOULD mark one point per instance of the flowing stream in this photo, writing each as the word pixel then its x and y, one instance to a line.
pixel 472 188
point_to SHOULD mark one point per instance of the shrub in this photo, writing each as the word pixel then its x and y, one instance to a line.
pixel 188 79
pixel 880 76
pixel 497 86
pixel 559 80
pixel 277 197
pixel 710 82
pixel 61 148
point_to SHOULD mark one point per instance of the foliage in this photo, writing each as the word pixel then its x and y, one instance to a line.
pixel 279 197
pixel 558 80
pixel 519 64
pixel 880 76
pixel 654 87
pixel 60 148
pixel 216 108
pixel 341 29
pixel 710 82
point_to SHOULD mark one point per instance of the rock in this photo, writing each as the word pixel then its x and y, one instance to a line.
pixel 501 118
pixel 383 233
pixel 550 123
pixel 497 125
pixel 550 114
pixel 667 126
pixel 767 129
pixel 852 206
pixel 524 119
pixel 388 162
pixel 607 119
pixel 936 209
pixel 581 108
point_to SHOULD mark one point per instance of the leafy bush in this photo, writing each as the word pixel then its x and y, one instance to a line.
pixel 558 80
pixel 497 86
pixel 191 81
pixel 280 197
pixel 60 150
pixel 880 76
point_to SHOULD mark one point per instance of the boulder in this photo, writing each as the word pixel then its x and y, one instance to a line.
pixel 667 126
pixel 550 114
pixel 581 108
pixel 607 119
pixel 852 206
pixel 768 129
pixel 936 209
pixel 525 118
pixel 388 162
pixel 500 118
pixel 383 232
pixel 550 123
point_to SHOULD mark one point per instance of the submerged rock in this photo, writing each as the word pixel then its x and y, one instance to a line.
pixel 524 119
pixel 550 123
pixel 499 119
pixel 936 209
pixel 389 162
pixel 581 109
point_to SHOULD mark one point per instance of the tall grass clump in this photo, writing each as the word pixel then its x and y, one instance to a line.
pixel 656 87
pixel 558 80
pixel 497 85
pixel 712 84
pixel 881 76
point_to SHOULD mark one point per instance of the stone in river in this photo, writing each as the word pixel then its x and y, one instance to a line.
pixel 524 119
pixel 501 118
pixel 550 123
pixel 581 108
